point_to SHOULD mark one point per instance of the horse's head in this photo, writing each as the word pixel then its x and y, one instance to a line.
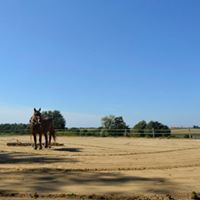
pixel 36 118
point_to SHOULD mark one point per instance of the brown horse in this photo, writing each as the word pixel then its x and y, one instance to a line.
pixel 41 125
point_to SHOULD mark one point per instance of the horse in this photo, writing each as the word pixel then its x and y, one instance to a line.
pixel 42 125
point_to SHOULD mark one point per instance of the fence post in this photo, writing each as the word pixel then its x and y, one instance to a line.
pixel 125 132
pixel 153 132
pixel 189 133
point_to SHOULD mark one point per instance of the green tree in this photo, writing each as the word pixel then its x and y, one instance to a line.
pixel 140 127
pixel 158 128
pixel 58 119
pixel 114 125
pixel 119 123
pixel 108 122
pixel 153 127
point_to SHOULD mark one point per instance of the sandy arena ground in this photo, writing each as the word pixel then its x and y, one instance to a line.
pixel 101 168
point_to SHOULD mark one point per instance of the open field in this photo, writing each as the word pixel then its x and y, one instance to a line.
pixel 100 168
pixel 185 131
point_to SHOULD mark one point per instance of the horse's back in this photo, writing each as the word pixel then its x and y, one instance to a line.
pixel 47 124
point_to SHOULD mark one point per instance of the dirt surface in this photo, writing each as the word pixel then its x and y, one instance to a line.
pixel 100 168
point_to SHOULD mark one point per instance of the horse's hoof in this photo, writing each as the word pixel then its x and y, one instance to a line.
pixel 40 148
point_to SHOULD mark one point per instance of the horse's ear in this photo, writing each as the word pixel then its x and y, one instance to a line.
pixel 39 110
pixel 34 110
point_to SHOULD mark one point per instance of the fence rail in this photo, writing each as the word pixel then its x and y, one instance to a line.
pixel 176 133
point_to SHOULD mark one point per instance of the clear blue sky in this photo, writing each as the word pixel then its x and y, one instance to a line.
pixel 135 58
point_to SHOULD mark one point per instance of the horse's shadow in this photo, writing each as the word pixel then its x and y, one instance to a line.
pixel 68 149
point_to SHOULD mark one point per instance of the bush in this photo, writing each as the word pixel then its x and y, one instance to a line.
pixel 153 128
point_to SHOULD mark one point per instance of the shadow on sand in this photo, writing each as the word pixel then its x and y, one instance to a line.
pixel 59 181
pixel 68 149
pixel 25 158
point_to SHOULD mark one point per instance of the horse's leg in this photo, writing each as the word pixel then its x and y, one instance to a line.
pixel 40 140
pixel 35 140
pixel 49 139
pixel 46 140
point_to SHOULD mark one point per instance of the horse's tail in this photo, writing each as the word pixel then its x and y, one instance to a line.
pixel 53 135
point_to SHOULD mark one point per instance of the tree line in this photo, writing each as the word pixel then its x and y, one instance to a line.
pixel 116 126
pixel 58 119
pixel 110 126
